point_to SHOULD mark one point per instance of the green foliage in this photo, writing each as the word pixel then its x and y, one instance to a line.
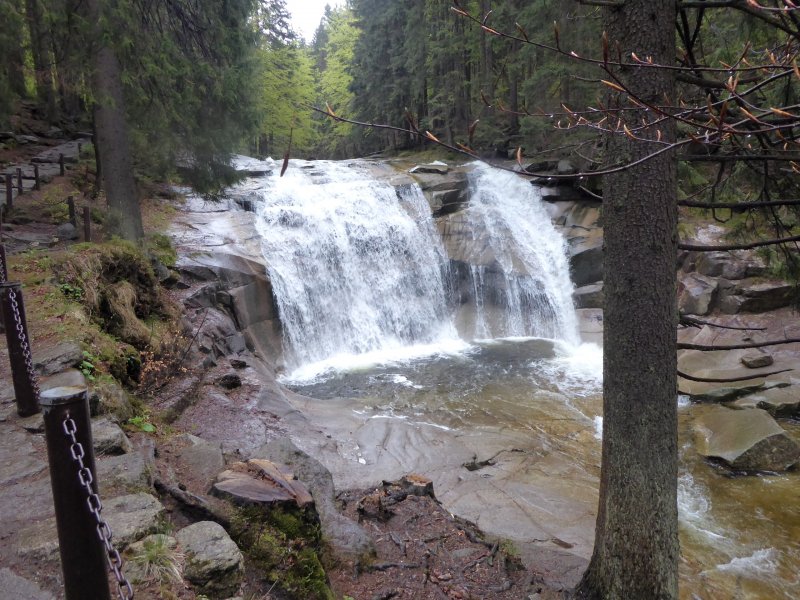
pixel 159 246
pixel 142 423
pixel 87 365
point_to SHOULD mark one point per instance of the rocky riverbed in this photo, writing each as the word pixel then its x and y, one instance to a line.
pixel 230 408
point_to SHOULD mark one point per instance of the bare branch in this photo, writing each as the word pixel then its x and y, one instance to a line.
pixel 729 379
pixel 738 205
pixel 742 346
pixel 694 322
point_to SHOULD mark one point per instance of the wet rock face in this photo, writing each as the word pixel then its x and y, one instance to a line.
pixel 214 564
pixel 748 440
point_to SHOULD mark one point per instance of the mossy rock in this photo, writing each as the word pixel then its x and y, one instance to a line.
pixel 285 545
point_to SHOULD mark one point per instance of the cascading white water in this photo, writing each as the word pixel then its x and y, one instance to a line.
pixel 356 264
pixel 518 262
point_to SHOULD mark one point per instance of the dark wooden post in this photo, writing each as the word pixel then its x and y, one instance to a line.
pixel 61 164
pixel 36 183
pixel 87 224
pixel 19 181
pixel 23 378
pixel 9 193
pixel 68 433
pixel 71 206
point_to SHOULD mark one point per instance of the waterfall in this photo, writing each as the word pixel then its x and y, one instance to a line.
pixel 358 267
pixel 356 264
pixel 518 272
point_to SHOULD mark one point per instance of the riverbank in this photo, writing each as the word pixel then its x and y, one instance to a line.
pixel 223 406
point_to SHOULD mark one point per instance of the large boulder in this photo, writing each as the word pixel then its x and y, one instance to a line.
pixel 747 440
pixel 214 564
pixel 696 294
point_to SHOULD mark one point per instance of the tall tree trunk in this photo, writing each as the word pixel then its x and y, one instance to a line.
pixel 636 547
pixel 42 60
pixel 113 143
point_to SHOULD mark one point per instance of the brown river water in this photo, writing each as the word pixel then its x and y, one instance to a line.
pixel 740 535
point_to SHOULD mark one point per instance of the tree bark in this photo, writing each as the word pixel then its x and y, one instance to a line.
pixel 636 547
pixel 42 60
pixel 113 142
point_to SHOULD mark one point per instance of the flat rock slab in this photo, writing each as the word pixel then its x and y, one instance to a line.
pixel 260 481
pixel 203 459
pixel 132 517
pixel 18 458
pixel 779 402
pixel 748 439
pixel 68 378
pixel 214 564
pixel 39 541
pixel 19 588
pixel 68 149
pixel 57 358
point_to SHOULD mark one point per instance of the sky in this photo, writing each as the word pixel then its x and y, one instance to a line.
pixel 306 15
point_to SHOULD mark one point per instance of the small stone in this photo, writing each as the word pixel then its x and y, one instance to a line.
pixel 68 378
pixel 757 360
pixel 108 438
pixel 237 363
pixel 33 424
pixel 214 564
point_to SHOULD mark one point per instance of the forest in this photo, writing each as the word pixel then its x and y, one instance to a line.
pixel 666 114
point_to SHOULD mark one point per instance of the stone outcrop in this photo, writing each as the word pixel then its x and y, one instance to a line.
pixel 748 440
pixel 214 564
pixel 446 189
pixel 240 287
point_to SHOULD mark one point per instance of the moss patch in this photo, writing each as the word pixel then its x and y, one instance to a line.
pixel 284 545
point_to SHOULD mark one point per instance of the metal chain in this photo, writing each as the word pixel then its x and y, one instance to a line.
pixel 3 274
pixel 23 342
pixel 95 507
